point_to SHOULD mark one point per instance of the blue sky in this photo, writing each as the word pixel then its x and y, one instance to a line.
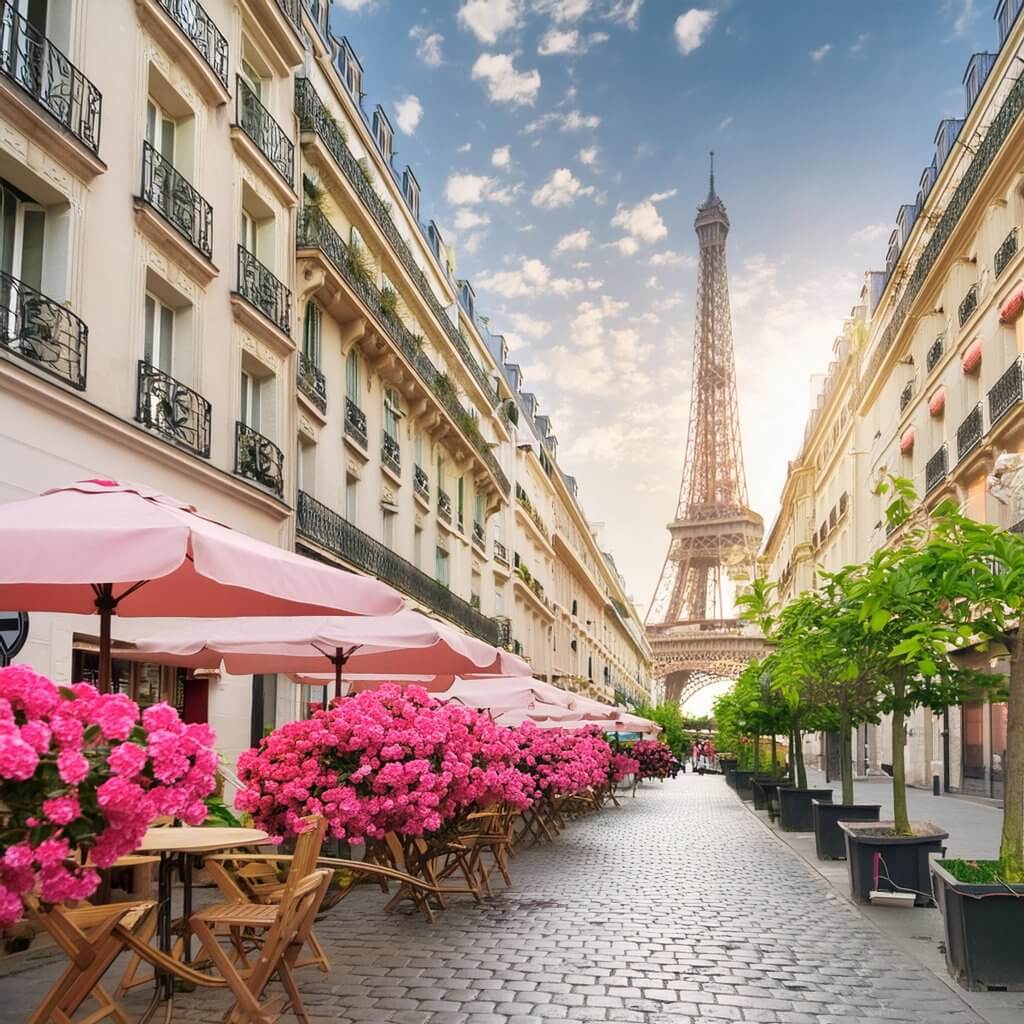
pixel 562 147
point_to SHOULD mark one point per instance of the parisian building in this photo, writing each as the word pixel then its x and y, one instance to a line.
pixel 217 281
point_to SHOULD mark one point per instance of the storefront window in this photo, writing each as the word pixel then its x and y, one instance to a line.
pixel 974 740
pixel 145 682
pixel 998 740
pixel 264 707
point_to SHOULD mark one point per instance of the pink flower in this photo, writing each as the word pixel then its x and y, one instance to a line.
pixel 37 735
pixel 72 766
pixel 18 760
pixel 127 759
pixel 62 810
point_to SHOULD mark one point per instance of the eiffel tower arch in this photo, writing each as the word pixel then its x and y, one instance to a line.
pixel 714 537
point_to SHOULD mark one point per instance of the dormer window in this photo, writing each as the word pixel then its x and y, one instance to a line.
pixel 411 190
pixel 351 70
pixel 383 133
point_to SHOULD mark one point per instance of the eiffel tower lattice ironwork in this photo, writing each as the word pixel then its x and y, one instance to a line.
pixel 714 535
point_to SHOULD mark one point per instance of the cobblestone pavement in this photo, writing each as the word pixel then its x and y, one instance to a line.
pixel 678 907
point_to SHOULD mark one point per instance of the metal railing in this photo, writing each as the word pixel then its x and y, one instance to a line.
pixel 316 232
pixel 292 10
pixel 391 453
pixel 260 287
pixel 1006 392
pixel 35 65
pixel 257 458
pixel 173 410
pixel 314 117
pixel 43 332
pixel 327 529
pixel 270 138
pixel 970 432
pixel 421 483
pixel 968 305
pixel 207 40
pixel 500 552
pixel 936 469
pixel 444 505
pixel 311 381
pixel 906 395
pixel 175 199
pixel 938 346
pixel 479 539
pixel 355 424
pixel 1006 251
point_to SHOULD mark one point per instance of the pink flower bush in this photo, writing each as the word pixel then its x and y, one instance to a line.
pixel 83 776
pixel 623 765
pixel 654 758
pixel 564 761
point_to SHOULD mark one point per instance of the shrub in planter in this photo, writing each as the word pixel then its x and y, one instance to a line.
pixel 829 838
pixel 654 758
pixel 879 857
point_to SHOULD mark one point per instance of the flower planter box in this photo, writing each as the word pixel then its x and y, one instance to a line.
pixel 741 782
pixel 758 785
pixel 984 922
pixel 829 839
pixel 724 764
pixel 730 776
pixel 795 807
pixel 878 860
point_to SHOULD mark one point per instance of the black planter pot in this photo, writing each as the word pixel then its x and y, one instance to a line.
pixel 730 777
pixel 829 840
pixel 903 860
pixel 758 786
pixel 983 923
pixel 795 807
pixel 741 783
pixel 724 764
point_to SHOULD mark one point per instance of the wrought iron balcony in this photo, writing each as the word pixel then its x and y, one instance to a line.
pixel 167 191
pixel 504 625
pixel 324 527
pixel 444 505
pixel 257 458
pixel 1006 251
pixel 479 539
pixel 315 232
pixel 35 65
pixel 311 381
pixel 1006 392
pixel 314 117
pixel 906 395
pixel 355 424
pixel 43 332
pixel 970 432
pixel 421 483
pixel 500 553
pixel 259 286
pixel 270 138
pixel 173 410
pixel 968 305
pixel 935 353
pixel 292 10
pixel 936 469
pixel 208 41
pixel 391 454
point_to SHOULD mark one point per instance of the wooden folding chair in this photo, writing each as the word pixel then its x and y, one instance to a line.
pixel 284 928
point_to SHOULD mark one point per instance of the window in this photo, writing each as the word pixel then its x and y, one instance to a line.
pixel 442 568
pixel 161 130
pixel 440 473
pixel 417 547
pixel 392 413
pixel 418 449
pixel 352 71
pixel 388 517
pixel 478 508
pixel 352 376
pixel 462 500
pixel 22 227
pixel 158 348
pixel 263 712
pixel 252 78
pixel 411 188
pixel 248 235
pixel 383 132
pixel 306 470
pixel 351 499
pixel 311 333
pixel 251 399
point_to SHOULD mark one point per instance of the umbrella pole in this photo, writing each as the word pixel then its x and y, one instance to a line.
pixel 339 664
pixel 105 603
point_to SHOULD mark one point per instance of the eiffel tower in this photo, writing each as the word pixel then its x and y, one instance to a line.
pixel 715 535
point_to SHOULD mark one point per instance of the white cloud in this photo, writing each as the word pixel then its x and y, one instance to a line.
pixel 574 242
pixel 561 189
pixel 725 122
pixel 472 243
pixel 671 258
pixel 627 245
pixel 858 44
pixel 501 157
pixel 821 52
pixel 429 46
pixel 466 219
pixel 523 323
pixel 531 278
pixel 504 83
pixel 556 41
pixel 642 223
pixel 465 147
pixel 562 10
pixel 691 29
pixel 488 19
pixel 588 155
pixel 355 6
pixel 870 233
pixel 470 189
pixel 625 12
pixel 964 17
pixel 408 113
pixel 657 197
pixel 570 121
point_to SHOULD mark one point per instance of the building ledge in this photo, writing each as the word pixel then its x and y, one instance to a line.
pixel 255 321
pixel 167 238
pixel 260 163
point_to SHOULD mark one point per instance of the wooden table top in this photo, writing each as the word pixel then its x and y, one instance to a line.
pixel 189 839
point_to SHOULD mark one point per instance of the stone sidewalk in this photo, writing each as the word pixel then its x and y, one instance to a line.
pixel 680 906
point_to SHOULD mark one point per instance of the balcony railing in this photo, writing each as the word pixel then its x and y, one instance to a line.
pixel 1005 252
pixel 906 395
pixel 259 286
pixel 500 552
pixel 173 410
pixel 202 33
pixel 1006 392
pixel 936 468
pixel 167 191
pixel 968 305
pixel 270 138
pixel 421 483
pixel 355 424
pixel 391 453
pixel 311 381
pixel 315 232
pixel 444 505
pixel 325 528
pixel 35 65
pixel 292 10
pixel 479 539
pixel 257 458
pixel 43 332
pixel 935 353
pixel 970 432
pixel 314 117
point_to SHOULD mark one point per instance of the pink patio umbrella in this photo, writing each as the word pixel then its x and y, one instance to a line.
pixel 620 722
pixel 400 644
pixel 100 546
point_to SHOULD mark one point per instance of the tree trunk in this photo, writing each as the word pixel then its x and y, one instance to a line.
pixel 845 755
pixel 792 755
pixel 899 774
pixel 757 754
pixel 775 753
pixel 1011 849
pixel 801 770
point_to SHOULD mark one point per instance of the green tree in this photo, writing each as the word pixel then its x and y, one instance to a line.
pixel 670 717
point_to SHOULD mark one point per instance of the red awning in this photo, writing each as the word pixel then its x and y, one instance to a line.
pixel 937 402
pixel 972 357
pixel 1012 307
pixel 907 440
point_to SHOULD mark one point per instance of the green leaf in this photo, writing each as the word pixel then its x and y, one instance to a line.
pixel 879 619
